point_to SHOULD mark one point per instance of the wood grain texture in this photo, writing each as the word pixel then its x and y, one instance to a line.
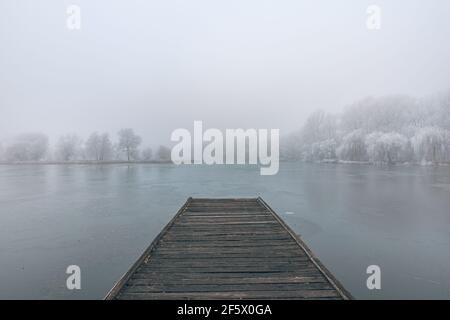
pixel 227 249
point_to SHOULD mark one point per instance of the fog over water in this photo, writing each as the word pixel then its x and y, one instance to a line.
pixel 159 65
pixel 103 217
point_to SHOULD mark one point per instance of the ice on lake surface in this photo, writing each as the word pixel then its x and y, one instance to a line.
pixel 102 218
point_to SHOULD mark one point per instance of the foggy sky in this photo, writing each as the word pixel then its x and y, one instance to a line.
pixel 159 65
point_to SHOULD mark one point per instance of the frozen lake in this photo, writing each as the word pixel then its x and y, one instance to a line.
pixel 102 218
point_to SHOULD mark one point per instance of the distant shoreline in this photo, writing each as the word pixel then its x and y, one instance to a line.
pixel 82 162
pixel 330 161
pixel 384 164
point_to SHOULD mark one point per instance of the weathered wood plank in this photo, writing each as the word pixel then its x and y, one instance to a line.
pixel 227 249
pixel 298 294
pixel 224 280
pixel 143 286
pixel 228 275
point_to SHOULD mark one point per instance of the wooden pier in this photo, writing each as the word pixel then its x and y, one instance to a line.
pixel 227 249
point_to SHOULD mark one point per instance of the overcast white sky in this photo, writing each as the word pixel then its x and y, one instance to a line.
pixel 159 65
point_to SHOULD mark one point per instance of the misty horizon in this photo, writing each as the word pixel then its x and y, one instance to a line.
pixel 390 129
pixel 156 67
pixel 166 141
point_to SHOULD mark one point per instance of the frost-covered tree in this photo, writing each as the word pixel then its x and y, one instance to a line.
pixel 106 149
pixel 28 147
pixel 69 147
pixel 386 147
pixel 318 133
pixel 129 143
pixel 2 152
pixel 93 146
pixel 99 147
pixel 435 110
pixel 384 114
pixel 431 144
pixel 386 129
pixel 318 127
pixel 353 147
pixel 324 150
pixel 444 110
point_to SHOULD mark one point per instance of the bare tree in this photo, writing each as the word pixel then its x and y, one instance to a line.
pixel 129 143
pixel 98 147
pixel 28 147
pixel 106 149
pixel 93 146
pixel 68 147
pixel 147 154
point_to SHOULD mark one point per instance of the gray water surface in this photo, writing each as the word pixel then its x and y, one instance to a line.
pixel 102 218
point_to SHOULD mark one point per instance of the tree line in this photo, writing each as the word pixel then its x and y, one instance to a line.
pixel 98 147
pixel 390 129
